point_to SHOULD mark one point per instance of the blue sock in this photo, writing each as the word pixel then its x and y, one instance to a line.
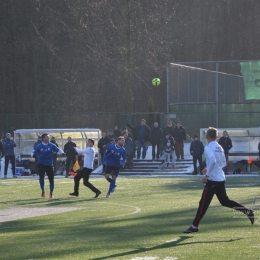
pixel 41 180
pixel 51 187
pixel 109 179
pixel 112 186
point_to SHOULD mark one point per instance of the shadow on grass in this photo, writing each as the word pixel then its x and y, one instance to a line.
pixel 166 245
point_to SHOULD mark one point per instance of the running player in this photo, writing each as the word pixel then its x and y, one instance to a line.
pixel 114 159
pixel 215 182
pixel 44 152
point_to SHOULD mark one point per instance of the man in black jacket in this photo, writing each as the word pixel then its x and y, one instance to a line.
pixel 71 154
pixel 142 137
pixel 168 129
pixel 1 153
pixel 102 144
pixel 156 137
pixel 226 144
pixel 196 151
pixel 179 135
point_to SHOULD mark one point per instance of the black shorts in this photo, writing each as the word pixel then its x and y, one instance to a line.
pixel 114 170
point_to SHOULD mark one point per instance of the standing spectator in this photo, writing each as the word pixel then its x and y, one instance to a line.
pixel 54 155
pixel 39 141
pixel 168 129
pixel 179 135
pixel 9 145
pixel 102 144
pixel 117 131
pixel 111 135
pixel 1 153
pixel 71 154
pixel 89 157
pixel 45 153
pixel 142 137
pixel 156 137
pixel 259 150
pixel 168 152
pixel 129 151
pixel 196 151
pixel 226 144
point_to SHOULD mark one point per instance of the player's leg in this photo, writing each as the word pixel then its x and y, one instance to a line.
pixel 207 195
pixel 86 182
pixel 109 170
pixel 41 171
pixel 226 202
pixel 50 174
pixel 112 185
pixel 77 179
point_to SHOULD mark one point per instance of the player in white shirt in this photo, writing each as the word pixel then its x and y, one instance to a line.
pixel 215 182
pixel 89 153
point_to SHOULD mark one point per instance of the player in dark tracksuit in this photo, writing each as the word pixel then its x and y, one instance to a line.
pixel 215 182
pixel 70 154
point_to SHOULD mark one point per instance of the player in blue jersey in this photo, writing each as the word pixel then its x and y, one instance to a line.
pixel 114 159
pixel 44 151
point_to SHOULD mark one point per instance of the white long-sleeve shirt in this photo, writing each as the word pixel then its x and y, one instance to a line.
pixel 215 160
pixel 89 157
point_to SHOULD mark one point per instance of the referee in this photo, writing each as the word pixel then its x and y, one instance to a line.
pixel 215 182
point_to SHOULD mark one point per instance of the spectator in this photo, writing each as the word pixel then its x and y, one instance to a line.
pixel 168 152
pixel 168 129
pixel 156 137
pixel 226 144
pixel 166 139
pixel 179 136
pixel 125 130
pixel 39 141
pixel 129 150
pixel 117 131
pixel 102 145
pixel 196 151
pixel 259 150
pixel 54 155
pixel 111 134
pixel 1 153
pixel 71 154
pixel 142 137
pixel 9 145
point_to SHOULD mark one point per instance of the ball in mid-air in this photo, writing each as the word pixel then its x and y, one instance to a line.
pixel 156 81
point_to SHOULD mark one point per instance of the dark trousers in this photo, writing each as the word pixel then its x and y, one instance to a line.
pixel 195 159
pixel 179 145
pixel 84 173
pixel 54 158
pixel 154 144
pixel 68 161
pixel 129 161
pixel 211 188
pixel 225 169
pixel 9 158
pixel 141 144
pixel 49 171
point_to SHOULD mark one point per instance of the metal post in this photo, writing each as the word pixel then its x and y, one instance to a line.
pixel 167 85
pixel 216 89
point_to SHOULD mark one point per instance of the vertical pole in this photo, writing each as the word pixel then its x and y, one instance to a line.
pixel 167 86
pixel 216 90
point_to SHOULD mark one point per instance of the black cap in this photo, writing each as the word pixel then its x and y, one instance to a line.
pixel 196 136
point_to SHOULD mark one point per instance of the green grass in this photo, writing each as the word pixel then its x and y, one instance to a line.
pixel 143 219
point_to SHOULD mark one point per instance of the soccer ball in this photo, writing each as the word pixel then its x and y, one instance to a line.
pixel 156 81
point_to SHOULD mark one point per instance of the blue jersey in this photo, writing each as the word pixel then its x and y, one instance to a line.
pixel 44 153
pixel 115 156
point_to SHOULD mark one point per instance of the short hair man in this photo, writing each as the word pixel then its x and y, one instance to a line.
pixel 114 159
pixel 214 181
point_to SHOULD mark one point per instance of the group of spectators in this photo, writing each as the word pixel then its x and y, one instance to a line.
pixel 166 143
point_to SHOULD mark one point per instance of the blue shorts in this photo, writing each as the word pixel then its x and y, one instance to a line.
pixel 114 170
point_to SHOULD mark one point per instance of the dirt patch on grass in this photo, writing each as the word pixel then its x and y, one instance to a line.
pixel 21 213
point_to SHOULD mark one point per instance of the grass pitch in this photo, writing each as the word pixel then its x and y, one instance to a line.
pixel 143 220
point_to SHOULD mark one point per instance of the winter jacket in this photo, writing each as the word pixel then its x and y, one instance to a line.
pixel 179 134
pixel 226 144
pixel 128 146
pixel 9 147
pixel 117 132
pixel 168 149
pixel 165 141
pixel 54 153
pixel 69 150
pixel 196 148
pixel 169 130
pixel 141 133
pixel 156 134
pixel 101 143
